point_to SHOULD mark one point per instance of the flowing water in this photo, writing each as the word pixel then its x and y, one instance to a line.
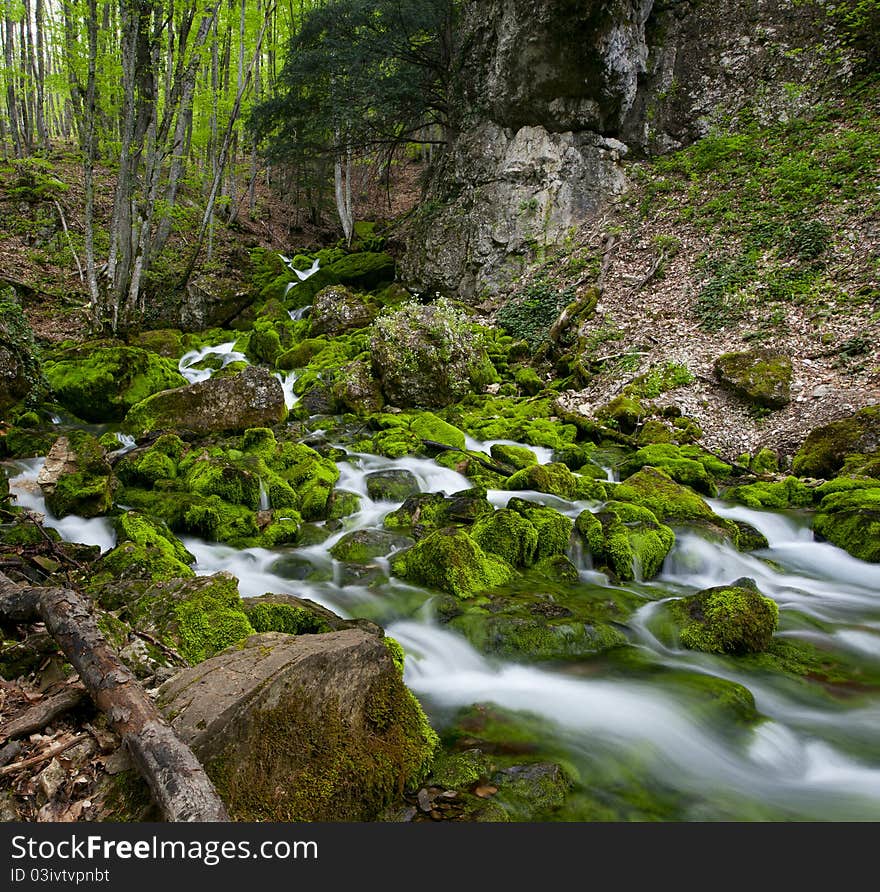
pixel 813 756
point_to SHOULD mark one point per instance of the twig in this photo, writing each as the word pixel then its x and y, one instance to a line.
pixel 82 277
pixel 42 714
pixel 45 756
pixel 649 275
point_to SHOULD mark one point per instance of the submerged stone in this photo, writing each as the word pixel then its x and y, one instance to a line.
pixel 391 486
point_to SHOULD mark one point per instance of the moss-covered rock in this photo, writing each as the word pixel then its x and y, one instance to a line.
pixel 850 519
pixel 734 619
pixel 336 310
pixel 427 512
pixel 355 389
pixel 76 477
pixel 787 493
pixel 508 535
pixel 426 356
pixel 624 412
pixel 101 383
pixel 392 485
pixel 427 426
pixel 554 529
pixel 826 449
pixel 363 546
pixel 303 728
pixel 688 465
pixel 760 377
pixel 517 457
pixel 364 271
pixel 253 398
pixel 197 617
pixel 626 540
pixel 554 478
pixel 451 561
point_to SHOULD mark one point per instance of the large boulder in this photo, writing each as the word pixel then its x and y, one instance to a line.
pixel 19 362
pixel 336 311
pixel 253 398
pixel 427 356
pixel 760 377
pixel 98 382
pixel 825 450
pixel 850 517
pixel 303 728
pixel 733 619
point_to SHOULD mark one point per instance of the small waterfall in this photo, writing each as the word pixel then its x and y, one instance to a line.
pixel 301 313
pixel 189 361
pixel 301 274
pixel 265 503
pixel 287 382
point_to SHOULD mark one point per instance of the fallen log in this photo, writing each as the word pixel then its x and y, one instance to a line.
pixel 179 784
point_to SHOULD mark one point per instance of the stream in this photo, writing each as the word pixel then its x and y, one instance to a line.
pixel 813 756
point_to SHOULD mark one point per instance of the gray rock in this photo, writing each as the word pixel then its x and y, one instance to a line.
pixel 336 310
pixel 760 377
pixel 253 398
pixel 302 728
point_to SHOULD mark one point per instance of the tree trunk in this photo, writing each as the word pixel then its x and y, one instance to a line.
pixel 177 781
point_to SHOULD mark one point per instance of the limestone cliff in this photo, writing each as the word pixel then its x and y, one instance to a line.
pixel 553 95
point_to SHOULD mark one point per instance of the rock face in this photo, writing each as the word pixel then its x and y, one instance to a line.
pixel 304 727
pixel 552 95
pixel 760 377
pixel 253 398
pixel 825 451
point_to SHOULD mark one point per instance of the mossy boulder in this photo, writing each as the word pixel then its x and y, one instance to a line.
pixel 508 535
pixel 427 356
pixel 364 546
pixel 426 512
pixel 626 540
pixel 451 561
pixel 392 485
pixel 787 493
pixel 336 310
pixel 826 449
pixel 252 398
pixel 197 617
pixel 623 412
pixel 427 426
pixel 670 502
pixel 554 529
pixel 517 457
pixel 850 519
pixel 554 478
pixel 76 477
pixel 354 389
pixel 145 549
pixel 688 465
pixel 735 619
pixel 759 377
pixel 303 727
pixel 102 383
pixel 364 271
pixel 20 373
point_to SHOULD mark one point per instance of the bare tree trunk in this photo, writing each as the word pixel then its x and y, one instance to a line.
pixel 342 181
pixel 88 136
pixel 11 99
pixel 177 781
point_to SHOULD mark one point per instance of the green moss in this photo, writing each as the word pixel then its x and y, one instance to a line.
pixel 87 492
pixel 554 478
pixel 529 381
pixel 508 535
pixel 554 529
pixel 100 383
pixel 343 504
pixel 825 450
pixel 210 619
pixel 624 412
pixel 133 560
pixel 136 527
pixel 787 493
pixel 760 377
pixel 216 478
pixel 364 546
pixel 626 539
pixel 457 771
pixel 449 560
pixel 851 520
pixel 24 532
pixel 687 465
pixel 287 618
pixel 427 426
pixel 735 619
pixel 516 457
